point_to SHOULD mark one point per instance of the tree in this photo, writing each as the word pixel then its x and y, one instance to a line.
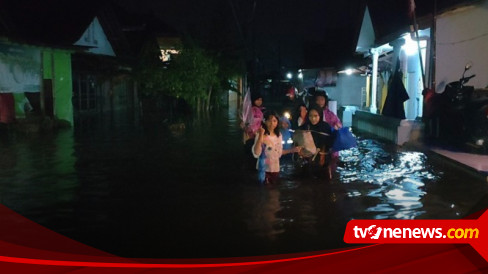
pixel 192 75
pixel 196 75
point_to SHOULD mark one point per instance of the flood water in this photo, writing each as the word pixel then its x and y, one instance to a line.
pixel 138 189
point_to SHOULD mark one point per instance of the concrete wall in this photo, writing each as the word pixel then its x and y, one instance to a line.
pixel 62 84
pixel 56 66
pixel 461 38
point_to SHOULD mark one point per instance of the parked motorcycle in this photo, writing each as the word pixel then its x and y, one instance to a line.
pixel 459 116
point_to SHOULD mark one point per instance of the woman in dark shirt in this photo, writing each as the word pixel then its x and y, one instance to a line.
pixel 320 130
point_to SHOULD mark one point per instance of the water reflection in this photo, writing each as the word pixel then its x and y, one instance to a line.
pixel 37 174
pixel 263 220
pixel 396 180
pixel 140 188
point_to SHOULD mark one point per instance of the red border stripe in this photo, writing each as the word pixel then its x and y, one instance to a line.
pixel 143 265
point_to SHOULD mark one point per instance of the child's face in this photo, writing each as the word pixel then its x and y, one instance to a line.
pixel 320 101
pixel 271 123
pixel 313 116
pixel 284 124
pixel 258 102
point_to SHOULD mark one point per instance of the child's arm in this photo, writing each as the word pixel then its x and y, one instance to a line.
pixel 335 121
pixel 292 150
pixel 258 141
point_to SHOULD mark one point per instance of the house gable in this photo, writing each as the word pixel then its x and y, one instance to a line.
pixel 95 38
pixel 366 35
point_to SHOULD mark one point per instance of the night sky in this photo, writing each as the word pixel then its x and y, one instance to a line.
pixel 276 35
pixel 289 33
pixel 279 33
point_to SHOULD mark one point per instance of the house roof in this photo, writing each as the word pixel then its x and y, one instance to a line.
pixel 143 29
pixel 390 18
pixel 61 23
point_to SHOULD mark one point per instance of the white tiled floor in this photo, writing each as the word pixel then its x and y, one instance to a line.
pixel 476 161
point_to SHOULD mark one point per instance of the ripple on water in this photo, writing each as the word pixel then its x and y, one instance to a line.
pixel 194 189
pixel 396 179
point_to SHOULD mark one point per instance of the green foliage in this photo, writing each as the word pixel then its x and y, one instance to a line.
pixel 196 75
pixel 190 75
pixel 148 72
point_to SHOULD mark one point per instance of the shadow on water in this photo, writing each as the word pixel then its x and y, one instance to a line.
pixel 183 189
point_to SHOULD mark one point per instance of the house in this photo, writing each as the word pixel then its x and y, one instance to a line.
pixel 36 73
pixel 102 72
pixel 83 57
pixel 117 42
pixel 447 36
pixel 461 37
pixel 49 34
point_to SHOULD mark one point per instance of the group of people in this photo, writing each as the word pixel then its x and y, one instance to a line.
pixel 269 135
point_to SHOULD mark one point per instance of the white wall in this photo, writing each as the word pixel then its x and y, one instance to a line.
pixel 348 90
pixel 461 37
pixel 95 37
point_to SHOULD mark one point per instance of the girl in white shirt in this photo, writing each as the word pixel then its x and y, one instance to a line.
pixel 268 148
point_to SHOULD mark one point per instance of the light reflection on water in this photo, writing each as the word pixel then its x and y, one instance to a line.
pixel 397 179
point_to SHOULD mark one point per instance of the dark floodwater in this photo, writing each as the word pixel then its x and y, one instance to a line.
pixel 143 190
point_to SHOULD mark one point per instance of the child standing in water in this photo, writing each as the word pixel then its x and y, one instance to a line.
pixel 251 129
pixel 301 116
pixel 287 137
pixel 322 137
pixel 268 148
pixel 286 134
pixel 322 101
pixel 257 113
